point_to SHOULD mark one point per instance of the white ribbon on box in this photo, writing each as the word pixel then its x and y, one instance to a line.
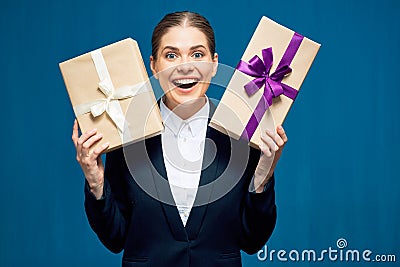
pixel 110 104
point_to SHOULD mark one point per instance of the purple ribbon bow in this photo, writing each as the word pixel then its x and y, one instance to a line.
pixel 273 86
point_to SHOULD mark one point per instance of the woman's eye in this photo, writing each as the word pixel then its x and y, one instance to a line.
pixel 170 56
pixel 198 55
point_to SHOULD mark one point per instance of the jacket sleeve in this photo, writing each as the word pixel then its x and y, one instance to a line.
pixel 108 216
pixel 258 217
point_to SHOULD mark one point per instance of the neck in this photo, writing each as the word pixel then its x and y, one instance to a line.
pixel 187 109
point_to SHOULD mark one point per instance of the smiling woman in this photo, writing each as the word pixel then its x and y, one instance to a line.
pixel 184 65
pixel 195 230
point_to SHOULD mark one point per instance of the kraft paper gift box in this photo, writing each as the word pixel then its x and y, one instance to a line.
pixel 109 90
pixel 265 82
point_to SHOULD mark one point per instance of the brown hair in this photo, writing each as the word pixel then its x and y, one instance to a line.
pixel 179 19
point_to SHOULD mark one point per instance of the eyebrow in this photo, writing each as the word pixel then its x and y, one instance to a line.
pixel 177 49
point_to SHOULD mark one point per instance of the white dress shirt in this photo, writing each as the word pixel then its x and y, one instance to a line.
pixel 183 148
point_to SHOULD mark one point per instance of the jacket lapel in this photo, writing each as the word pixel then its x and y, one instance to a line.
pixel 154 150
pixel 210 159
pixel 197 214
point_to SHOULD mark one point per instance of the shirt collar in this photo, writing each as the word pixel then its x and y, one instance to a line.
pixel 196 123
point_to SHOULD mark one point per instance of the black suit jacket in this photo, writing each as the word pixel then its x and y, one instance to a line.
pixel 136 213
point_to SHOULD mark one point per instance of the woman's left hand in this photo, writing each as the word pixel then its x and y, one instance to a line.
pixel 271 148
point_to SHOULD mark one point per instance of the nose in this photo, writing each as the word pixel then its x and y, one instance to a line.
pixel 185 67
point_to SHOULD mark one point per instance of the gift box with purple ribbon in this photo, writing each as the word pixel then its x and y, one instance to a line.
pixel 265 83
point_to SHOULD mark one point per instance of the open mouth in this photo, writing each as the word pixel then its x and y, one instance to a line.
pixel 185 83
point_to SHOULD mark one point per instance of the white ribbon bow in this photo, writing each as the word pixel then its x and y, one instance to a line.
pixel 110 104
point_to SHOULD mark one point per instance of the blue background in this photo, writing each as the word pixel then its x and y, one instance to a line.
pixel 338 176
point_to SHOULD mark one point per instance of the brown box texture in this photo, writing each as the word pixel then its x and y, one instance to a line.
pixel 125 66
pixel 236 107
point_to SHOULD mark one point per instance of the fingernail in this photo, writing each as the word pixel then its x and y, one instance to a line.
pixel 106 144
pixel 93 130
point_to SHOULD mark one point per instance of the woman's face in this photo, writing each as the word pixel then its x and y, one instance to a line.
pixel 184 65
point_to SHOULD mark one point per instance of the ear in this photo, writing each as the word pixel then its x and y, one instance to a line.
pixel 215 64
pixel 153 67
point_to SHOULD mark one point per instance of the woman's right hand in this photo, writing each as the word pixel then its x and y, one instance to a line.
pixel 91 163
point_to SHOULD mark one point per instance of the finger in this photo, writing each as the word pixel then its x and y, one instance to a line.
pixel 84 137
pixel 269 145
pixel 265 149
pixel 269 140
pixel 282 133
pixel 75 133
pixel 89 143
pixel 99 150
pixel 276 137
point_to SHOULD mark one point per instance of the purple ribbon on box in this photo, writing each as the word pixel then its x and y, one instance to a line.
pixel 273 86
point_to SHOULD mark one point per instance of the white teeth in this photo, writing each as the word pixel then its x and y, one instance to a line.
pixel 185 81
